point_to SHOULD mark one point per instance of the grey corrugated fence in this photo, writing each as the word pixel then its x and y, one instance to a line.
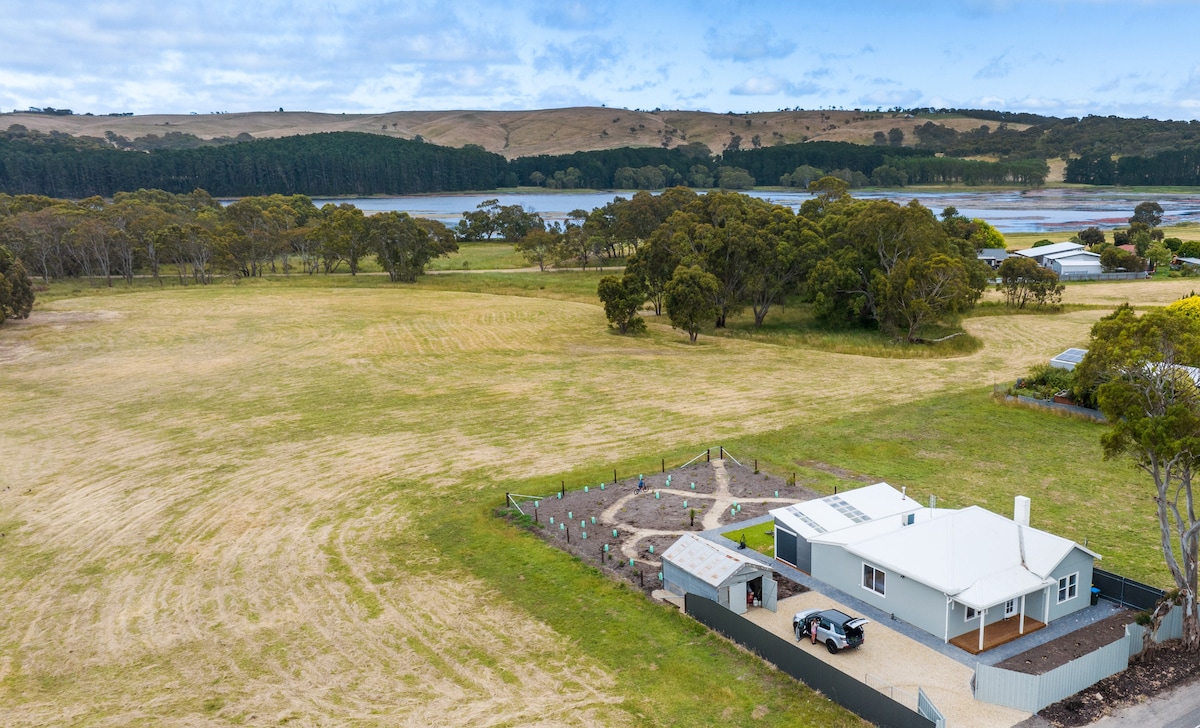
pixel 1091 414
pixel 1034 692
pixel 926 708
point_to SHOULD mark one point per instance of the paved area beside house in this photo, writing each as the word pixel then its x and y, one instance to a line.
pixel 895 664
pixel 1057 628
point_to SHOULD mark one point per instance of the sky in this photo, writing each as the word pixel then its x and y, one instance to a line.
pixel 1130 58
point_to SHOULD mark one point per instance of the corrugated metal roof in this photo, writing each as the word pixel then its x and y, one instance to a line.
pixel 1044 250
pixel 972 554
pixel 835 512
pixel 711 563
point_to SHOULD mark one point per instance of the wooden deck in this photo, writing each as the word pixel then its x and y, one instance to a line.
pixel 996 634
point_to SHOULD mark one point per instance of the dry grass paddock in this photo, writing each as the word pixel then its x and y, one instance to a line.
pixel 199 487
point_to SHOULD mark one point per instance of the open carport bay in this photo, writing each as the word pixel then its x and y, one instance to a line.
pixel 895 665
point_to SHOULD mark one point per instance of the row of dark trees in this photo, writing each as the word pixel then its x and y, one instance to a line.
pixel 1179 167
pixel 860 262
pixel 155 233
pixel 351 163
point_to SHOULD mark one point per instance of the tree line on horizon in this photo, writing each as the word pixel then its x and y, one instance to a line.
pixel 194 238
pixel 354 163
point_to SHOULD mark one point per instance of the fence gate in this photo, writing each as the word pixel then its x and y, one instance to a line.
pixel 926 708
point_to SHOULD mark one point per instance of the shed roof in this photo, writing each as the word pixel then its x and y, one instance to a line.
pixel 1067 254
pixel 845 509
pixel 973 555
pixel 711 563
pixel 1069 359
pixel 1044 250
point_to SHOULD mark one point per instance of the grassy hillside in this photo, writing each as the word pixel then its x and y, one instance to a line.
pixel 516 133
pixel 271 502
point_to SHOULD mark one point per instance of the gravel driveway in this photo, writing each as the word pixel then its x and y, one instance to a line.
pixel 888 658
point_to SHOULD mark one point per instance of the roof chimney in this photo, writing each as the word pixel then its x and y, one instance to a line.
pixel 1021 510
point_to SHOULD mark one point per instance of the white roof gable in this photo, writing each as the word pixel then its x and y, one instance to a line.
pixel 711 563
pixel 1044 250
pixel 842 510
pixel 976 556
pixel 1070 254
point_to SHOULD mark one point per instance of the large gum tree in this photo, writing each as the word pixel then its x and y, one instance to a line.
pixel 1141 367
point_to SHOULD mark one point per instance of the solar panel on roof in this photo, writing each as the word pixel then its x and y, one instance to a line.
pixel 1072 355
pixel 847 510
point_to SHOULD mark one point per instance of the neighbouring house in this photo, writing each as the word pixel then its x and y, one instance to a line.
pixel 1190 262
pixel 693 565
pixel 1040 253
pixel 1074 263
pixel 796 525
pixel 1069 359
pixel 956 572
pixel 993 256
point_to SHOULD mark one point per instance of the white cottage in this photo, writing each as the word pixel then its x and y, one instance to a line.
pixel 952 572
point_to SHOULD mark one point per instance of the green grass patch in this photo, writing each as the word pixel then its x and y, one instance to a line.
pixel 672 670
pixel 757 537
pixel 796 325
pixel 486 255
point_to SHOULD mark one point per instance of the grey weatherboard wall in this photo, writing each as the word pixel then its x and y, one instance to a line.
pixel 925 607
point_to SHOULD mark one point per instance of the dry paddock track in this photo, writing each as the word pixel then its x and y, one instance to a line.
pixel 195 485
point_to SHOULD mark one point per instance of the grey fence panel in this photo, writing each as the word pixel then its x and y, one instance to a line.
pixel 1034 692
pixel 926 708
pixel 1172 626
pixel 1134 634
pixel 833 683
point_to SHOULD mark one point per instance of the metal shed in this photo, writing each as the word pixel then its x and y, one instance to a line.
pixel 693 565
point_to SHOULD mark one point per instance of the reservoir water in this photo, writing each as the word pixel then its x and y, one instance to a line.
pixel 1010 211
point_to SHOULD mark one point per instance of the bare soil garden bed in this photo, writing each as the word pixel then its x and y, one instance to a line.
pixel 583 522
pixel 1058 652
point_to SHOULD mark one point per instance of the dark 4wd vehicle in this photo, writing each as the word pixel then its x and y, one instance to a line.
pixel 837 630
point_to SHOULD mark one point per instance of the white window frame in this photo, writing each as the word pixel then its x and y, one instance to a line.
pixel 969 614
pixel 876 574
pixel 1010 608
pixel 1068 585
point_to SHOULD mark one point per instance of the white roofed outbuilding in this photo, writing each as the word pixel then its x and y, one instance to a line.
pixel 695 565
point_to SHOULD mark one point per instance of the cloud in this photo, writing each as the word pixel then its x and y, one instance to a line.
pixel 582 57
pixel 771 85
pixel 461 81
pixel 570 15
pixel 1110 85
pixel 997 67
pixel 904 98
pixel 759 43
pixel 558 97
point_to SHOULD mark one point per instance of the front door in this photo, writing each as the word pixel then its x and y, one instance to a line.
pixel 1010 608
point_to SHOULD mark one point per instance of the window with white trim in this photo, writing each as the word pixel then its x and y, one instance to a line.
pixel 873 579
pixel 1068 587
pixel 971 614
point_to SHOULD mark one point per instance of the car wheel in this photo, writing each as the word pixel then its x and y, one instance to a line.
pixel 832 646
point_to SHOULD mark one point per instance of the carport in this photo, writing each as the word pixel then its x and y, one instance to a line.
pixel 693 565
